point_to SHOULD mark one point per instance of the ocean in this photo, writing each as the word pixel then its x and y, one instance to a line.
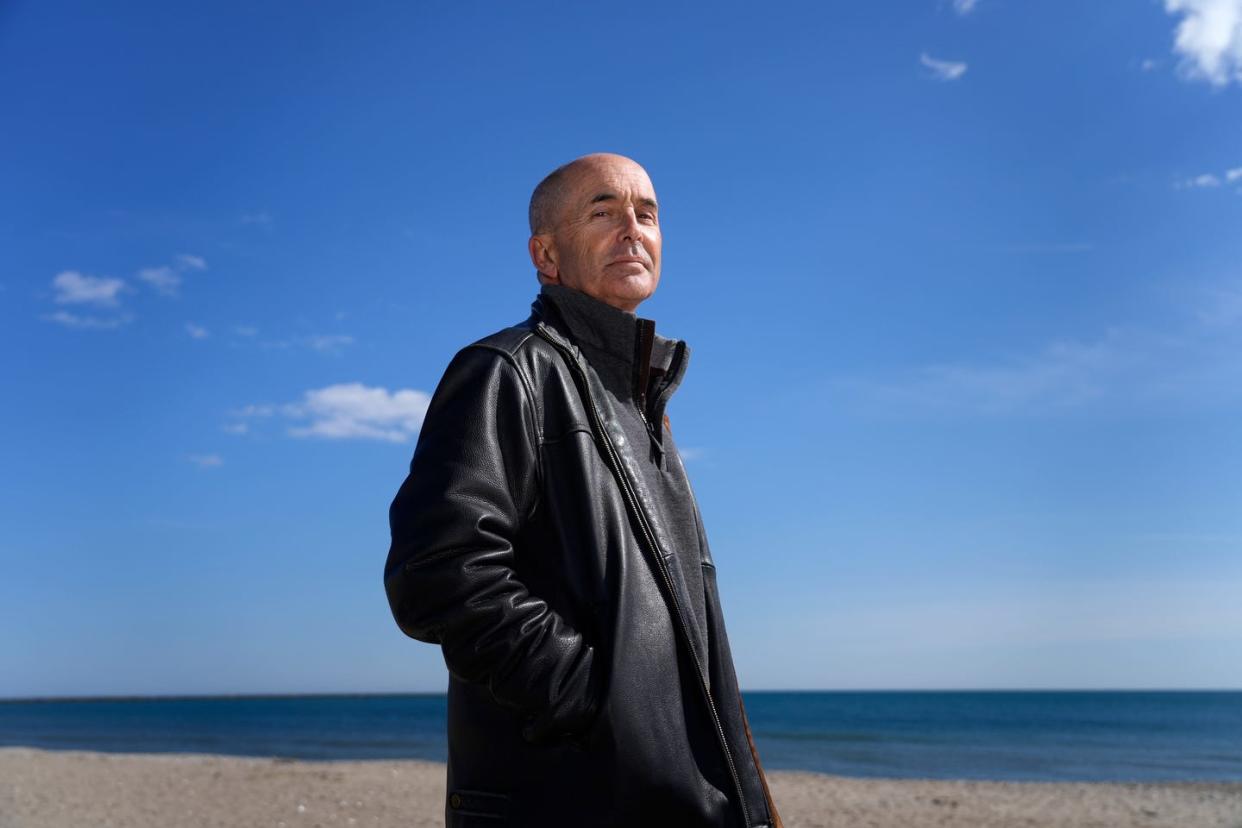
pixel 1000 735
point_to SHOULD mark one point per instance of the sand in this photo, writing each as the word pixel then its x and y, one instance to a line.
pixel 69 789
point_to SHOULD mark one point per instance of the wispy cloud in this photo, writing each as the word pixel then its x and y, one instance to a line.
pixel 1062 375
pixel 343 412
pixel 690 453
pixel 328 343
pixel 1222 308
pixel 1193 363
pixel 187 261
pixel 964 7
pixel 1209 181
pixel 196 331
pixel 1209 39
pixel 1050 247
pixel 1204 181
pixel 206 461
pixel 945 70
pixel 74 288
pixel 1072 611
pixel 263 218
pixel 166 279
pixel 89 323
pixel 320 343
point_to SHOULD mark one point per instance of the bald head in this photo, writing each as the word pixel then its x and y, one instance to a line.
pixel 548 200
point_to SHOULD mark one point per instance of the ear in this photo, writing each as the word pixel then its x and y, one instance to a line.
pixel 543 257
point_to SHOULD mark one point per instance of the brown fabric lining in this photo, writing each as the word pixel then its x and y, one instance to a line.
pixel 754 752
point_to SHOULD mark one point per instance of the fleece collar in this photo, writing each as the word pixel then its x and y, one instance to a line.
pixel 630 357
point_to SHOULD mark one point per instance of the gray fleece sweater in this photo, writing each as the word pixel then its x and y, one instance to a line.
pixel 641 370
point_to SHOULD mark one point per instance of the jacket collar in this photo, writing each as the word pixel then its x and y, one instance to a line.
pixel 633 361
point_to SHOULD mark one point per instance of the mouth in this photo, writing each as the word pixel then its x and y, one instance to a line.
pixel 626 259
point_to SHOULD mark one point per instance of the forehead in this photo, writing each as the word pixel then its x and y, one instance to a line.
pixel 622 178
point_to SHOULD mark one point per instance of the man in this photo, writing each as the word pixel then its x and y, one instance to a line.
pixel 548 540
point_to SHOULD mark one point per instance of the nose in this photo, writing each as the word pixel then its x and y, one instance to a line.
pixel 631 230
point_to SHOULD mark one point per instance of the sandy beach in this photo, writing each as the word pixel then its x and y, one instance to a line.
pixel 60 789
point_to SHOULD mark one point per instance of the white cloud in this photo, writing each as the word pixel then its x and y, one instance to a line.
pixel 206 461
pixel 345 411
pixel 164 279
pixel 945 70
pixel 354 410
pixel 196 331
pixel 88 323
pixel 1209 39
pixel 1233 175
pixel 964 7
pixel 74 288
pixel 1149 65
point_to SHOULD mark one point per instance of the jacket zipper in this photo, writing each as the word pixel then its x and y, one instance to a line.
pixel 632 501
pixel 650 432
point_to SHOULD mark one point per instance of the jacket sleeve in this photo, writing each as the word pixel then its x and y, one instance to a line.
pixel 450 576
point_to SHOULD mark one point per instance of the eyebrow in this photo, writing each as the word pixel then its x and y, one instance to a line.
pixel 607 196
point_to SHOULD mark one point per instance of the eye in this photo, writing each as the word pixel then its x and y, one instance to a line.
pixel 600 213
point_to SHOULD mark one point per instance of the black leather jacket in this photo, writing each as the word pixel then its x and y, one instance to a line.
pixel 525 544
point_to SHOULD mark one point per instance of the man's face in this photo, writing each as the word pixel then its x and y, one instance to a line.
pixel 606 242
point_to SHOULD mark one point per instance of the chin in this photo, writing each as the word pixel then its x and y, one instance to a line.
pixel 635 295
pixel 639 285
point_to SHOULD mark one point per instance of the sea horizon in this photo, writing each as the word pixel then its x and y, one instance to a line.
pixel 386 693
pixel 1001 734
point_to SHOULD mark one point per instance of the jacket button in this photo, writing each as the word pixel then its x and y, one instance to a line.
pixel 455 801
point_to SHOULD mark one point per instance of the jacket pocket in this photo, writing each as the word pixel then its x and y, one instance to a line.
pixel 582 740
pixel 469 808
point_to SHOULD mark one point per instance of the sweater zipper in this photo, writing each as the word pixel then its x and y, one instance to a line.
pixel 649 535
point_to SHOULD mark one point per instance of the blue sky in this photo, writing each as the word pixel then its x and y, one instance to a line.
pixel 962 282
